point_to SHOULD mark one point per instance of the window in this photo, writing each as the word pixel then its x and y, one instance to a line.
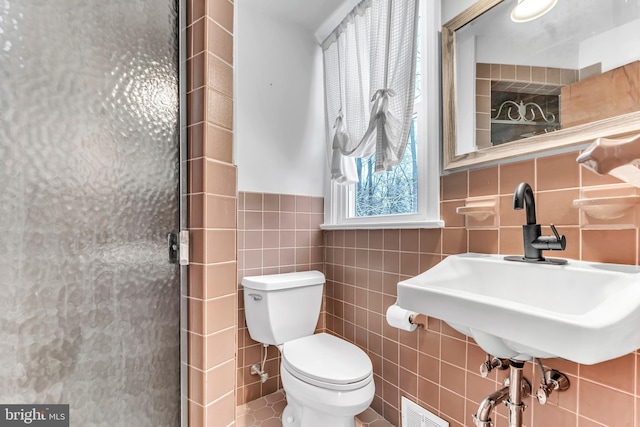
pixel 408 195
pixel 388 193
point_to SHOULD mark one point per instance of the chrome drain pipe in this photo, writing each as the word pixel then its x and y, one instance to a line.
pixel 516 393
pixel 516 388
pixel 483 417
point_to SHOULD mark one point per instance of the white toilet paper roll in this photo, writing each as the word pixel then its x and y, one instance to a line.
pixel 398 317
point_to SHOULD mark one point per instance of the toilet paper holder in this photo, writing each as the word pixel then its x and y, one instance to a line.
pixel 400 318
pixel 420 320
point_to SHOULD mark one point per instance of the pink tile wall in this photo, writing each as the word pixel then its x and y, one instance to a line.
pixel 212 294
pixel 437 367
pixel 277 233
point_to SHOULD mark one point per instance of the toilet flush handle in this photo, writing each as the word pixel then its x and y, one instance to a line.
pixel 256 297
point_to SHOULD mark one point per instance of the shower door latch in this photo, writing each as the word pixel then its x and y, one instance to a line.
pixel 178 247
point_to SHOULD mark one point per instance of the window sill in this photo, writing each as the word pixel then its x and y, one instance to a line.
pixel 384 225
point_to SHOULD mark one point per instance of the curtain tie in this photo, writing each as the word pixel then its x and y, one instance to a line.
pixel 380 101
pixel 341 137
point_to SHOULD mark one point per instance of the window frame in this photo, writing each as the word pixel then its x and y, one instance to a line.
pixel 338 197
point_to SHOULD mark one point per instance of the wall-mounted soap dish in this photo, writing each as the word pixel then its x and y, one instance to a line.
pixel 608 206
pixel 480 212
pixel 477 212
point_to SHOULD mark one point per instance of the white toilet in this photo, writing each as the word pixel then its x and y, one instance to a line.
pixel 327 380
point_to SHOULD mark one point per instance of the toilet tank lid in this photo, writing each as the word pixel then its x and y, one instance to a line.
pixel 274 282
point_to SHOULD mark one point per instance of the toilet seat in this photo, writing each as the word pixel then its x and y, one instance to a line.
pixel 327 361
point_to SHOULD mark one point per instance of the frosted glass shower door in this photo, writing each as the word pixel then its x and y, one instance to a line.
pixel 89 168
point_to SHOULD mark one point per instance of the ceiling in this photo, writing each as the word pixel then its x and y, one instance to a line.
pixel 319 17
pixel 309 14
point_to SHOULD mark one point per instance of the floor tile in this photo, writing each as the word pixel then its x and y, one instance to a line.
pixel 266 412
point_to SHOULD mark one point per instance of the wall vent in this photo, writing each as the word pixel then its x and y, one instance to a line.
pixel 414 415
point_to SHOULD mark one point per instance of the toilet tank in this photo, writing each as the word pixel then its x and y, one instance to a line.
pixel 282 307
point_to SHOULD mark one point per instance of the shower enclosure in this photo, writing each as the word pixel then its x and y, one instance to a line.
pixel 89 189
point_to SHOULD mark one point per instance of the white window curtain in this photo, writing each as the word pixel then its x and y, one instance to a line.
pixel 369 72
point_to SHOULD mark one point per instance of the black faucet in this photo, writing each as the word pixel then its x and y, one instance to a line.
pixel 534 241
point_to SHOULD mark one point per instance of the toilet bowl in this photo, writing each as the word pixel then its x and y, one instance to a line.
pixel 327 380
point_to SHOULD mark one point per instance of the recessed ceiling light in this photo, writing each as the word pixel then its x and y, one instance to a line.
pixel 528 10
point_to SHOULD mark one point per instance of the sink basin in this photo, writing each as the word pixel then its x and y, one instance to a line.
pixel 582 311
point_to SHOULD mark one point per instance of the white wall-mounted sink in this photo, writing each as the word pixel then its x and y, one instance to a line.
pixel 582 311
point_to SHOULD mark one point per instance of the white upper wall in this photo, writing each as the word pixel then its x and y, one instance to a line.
pixel 600 49
pixel 280 128
pixel 451 8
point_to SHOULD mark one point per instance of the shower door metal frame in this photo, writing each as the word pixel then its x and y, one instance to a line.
pixel 182 202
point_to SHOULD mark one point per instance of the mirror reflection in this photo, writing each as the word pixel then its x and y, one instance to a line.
pixel 576 64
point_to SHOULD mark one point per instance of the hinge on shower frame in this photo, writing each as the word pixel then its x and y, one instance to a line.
pixel 179 247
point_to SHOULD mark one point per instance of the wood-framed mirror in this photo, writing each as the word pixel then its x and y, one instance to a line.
pixel 514 89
